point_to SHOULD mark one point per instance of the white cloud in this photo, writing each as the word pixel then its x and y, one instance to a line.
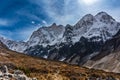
pixel 33 22
pixel 70 13
pixel 88 2
pixel 30 15
pixel 6 34
pixel 4 22
pixel 44 22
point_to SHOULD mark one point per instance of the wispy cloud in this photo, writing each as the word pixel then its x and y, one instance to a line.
pixel 44 23
pixel 6 34
pixel 4 22
pixel 62 12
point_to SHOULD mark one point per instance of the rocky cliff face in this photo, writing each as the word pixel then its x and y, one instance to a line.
pixel 108 57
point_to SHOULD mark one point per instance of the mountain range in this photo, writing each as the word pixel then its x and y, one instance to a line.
pixel 92 42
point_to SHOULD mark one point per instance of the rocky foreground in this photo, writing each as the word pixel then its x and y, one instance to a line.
pixel 5 74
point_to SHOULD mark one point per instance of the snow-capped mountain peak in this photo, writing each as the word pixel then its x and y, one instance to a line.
pixel 104 17
pixel 54 24
pixel 46 35
pixel 87 20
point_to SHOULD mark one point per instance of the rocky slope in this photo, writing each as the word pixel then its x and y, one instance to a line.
pixel 108 58
pixel 6 74
pixel 8 68
pixel 12 62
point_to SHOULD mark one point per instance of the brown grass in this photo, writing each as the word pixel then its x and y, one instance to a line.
pixel 49 70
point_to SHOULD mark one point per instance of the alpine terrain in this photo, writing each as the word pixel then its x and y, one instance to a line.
pixel 16 66
pixel 92 42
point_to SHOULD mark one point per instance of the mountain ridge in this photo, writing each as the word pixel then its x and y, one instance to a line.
pixel 75 44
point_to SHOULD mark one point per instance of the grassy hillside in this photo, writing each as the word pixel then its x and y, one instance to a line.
pixel 49 70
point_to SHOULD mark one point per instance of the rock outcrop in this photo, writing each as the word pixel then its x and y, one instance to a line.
pixel 16 75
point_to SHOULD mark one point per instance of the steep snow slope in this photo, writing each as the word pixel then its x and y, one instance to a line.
pixel 47 35
pixel 99 27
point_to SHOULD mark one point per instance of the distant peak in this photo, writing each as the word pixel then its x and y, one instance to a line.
pixel 54 24
pixel 86 20
pixel 88 16
pixel 68 25
pixel 103 16
pixel 102 13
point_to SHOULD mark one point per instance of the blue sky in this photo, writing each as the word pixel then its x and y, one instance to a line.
pixel 19 18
